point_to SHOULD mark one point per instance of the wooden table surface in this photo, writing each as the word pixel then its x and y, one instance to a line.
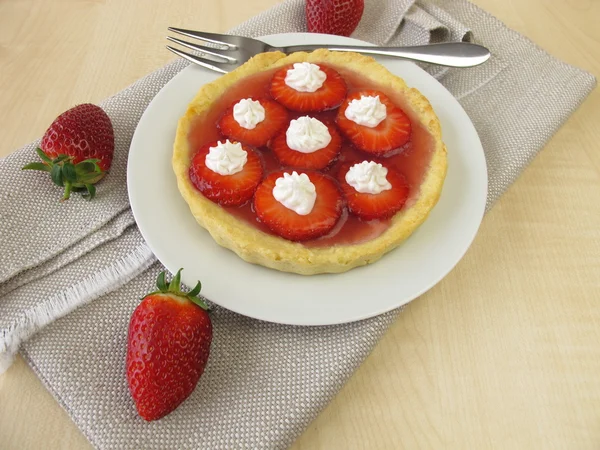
pixel 503 353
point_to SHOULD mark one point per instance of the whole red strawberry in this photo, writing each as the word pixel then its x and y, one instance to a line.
pixel 167 348
pixel 339 17
pixel 77 149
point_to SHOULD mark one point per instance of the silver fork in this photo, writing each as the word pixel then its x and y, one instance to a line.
pixel 223 53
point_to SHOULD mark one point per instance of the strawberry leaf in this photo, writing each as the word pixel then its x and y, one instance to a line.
pixel 90 178
pixel 57 175
pixel 175 282
pixel 69 173
pixel 91 191
pixel 194 292
pixel 90 165
pixel 84 167
pixel 37 166
pixel 161 283
pixel 61 158
pixel 43 156
pixel 198 301
pixel 91 160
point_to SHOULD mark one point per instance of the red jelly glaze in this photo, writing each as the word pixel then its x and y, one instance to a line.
pixel 411 160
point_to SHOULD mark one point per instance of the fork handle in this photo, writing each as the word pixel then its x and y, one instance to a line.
pixel 451 54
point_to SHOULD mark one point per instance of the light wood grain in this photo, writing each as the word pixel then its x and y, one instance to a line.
pixel 503 353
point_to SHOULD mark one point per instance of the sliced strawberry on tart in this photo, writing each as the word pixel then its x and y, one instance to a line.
pixel 372 190
pixel 226 172
pixel 307 143
pixel 253 122
pixel 298 206
pixel 308 87
pixel 373 123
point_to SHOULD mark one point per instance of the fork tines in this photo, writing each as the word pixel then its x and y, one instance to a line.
pixel 217 52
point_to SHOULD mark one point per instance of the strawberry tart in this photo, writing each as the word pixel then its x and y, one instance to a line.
pixel 311 162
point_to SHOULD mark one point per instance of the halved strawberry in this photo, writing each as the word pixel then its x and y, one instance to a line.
pixel 393 132
pixel 316 160
pixel 226 190
pixel 328 96
pixel 276 116
pixel 291 225
pixel 375 206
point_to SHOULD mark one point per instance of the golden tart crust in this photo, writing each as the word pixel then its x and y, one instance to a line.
pixel 257 247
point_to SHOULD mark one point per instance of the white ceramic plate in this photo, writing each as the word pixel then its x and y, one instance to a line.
pixel 402 275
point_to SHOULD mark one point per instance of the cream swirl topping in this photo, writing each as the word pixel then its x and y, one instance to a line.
pixel 305 77
pixel 367 111
pixel 226 158
pixel 368 177
pixel 295 192
pixel 248 113
pixel 307 135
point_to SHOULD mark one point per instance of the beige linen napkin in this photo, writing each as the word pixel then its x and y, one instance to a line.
pixel 264 382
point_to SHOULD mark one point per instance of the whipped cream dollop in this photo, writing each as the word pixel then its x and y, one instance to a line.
pixel 305 77
pixel 368 177
pixel 226 158
pixel 307 135
pixel 367 111
pixel 248 113
pixel 295 192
